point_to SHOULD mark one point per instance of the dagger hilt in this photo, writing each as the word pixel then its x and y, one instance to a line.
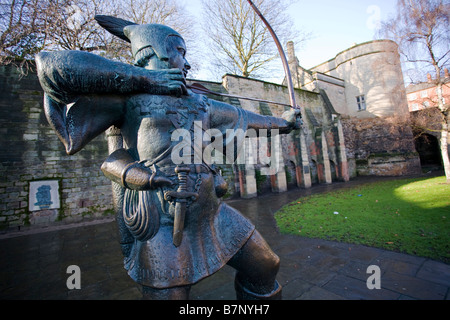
pixel 181 195
pixel 182 173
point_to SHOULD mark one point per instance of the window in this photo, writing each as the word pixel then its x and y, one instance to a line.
pixel 414 107
pixel 361 101
pixel 424 94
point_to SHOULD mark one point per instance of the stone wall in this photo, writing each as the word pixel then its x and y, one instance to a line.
pixel 41 184
pixel 378 137
pixel 315 154
pixel 31 156
pixel 380 146
pixel 372 69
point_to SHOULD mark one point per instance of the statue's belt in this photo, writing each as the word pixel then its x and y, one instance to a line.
pixel 169 170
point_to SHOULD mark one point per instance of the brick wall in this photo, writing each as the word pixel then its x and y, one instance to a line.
pixel 30 152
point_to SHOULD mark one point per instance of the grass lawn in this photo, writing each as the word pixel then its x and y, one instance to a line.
pixel 405 215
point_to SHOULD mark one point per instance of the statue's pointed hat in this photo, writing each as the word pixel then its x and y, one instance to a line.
pixel 139 35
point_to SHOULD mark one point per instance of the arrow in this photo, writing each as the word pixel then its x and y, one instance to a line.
pixel 200 89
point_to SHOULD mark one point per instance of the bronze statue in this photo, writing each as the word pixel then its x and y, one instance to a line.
pixel 174 229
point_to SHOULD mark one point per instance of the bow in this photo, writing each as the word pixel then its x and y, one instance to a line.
pixel 287 71
pixel 198 88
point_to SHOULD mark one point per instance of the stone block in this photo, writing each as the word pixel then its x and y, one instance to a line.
pixel 43 216
pixel 30 137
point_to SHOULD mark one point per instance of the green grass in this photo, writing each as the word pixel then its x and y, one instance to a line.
pixel 405 215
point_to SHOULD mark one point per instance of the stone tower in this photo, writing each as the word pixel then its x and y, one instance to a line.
pixel 363 81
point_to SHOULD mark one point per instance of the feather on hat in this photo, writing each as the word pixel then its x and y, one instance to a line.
pixel 139 35
pixel 114 25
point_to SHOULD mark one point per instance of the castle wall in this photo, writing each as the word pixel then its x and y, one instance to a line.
pixel 380 146
pixel 335 89
pixel 378 138
pixel 371 69
pixel 39 183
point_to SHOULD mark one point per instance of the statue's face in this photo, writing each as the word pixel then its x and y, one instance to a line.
pixel 175 58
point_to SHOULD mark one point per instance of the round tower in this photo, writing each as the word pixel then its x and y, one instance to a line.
pixel 373 78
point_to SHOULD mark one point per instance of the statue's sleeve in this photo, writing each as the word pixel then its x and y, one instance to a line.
pixel 79 122
pixel 234 124
pixel 64 75
pixel 67 74
pixel 79 103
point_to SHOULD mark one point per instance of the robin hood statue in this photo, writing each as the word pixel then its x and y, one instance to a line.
pixel 174 229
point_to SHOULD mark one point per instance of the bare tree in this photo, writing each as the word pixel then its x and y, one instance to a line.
pixel 22 27
pixel 240 42
pixel 28 27
pixel 167 12
pixel 74 27
pixel 421 29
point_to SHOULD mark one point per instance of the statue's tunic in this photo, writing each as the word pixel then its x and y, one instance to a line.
pixel 213 231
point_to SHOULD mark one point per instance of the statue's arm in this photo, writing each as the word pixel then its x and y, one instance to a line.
pixel 121 168
pixel 234 124
pixel 85 94
pixel 227 116
pixel 65 74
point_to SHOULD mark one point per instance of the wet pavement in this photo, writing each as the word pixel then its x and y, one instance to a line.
pixel 34 263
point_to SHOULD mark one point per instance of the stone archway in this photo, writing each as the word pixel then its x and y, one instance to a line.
pixel 427 146
pixel 334 170
pixel 314 173
pixel 291 176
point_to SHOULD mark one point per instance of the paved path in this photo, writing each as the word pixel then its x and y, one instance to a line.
pixel 33 263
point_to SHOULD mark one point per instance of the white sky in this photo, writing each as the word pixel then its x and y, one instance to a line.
pixel 334 25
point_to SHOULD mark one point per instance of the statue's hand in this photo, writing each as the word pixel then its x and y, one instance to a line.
pixel 167 82
pixel 293 118
pixel 156 181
